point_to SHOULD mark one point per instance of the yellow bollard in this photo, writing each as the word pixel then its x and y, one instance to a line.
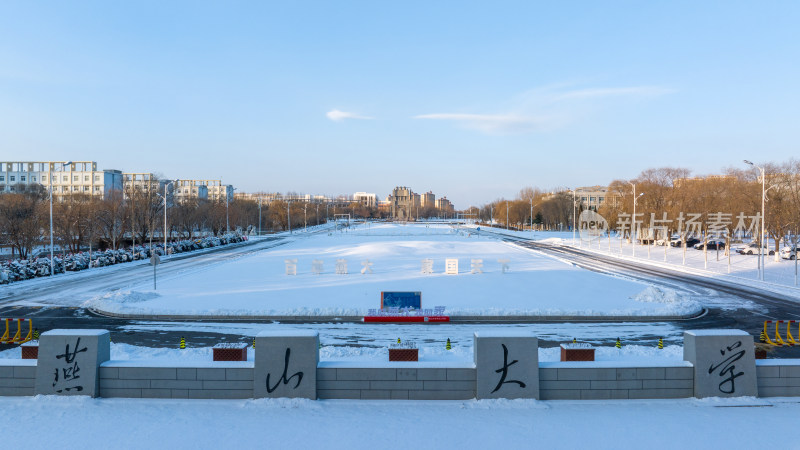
pixel 789 336
pixel 18 334
pixel 4 339
pixel 183 343
pixel 778 338
pixel 766 334
pixel 29 337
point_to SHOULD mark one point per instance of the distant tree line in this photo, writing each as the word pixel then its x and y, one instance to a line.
pixel 672 191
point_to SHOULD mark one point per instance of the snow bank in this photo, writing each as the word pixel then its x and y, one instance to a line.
pixel 87 423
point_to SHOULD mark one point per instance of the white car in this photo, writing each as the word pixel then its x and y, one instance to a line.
pixel 790 253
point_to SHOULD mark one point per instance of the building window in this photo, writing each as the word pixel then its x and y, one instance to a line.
pixel 65 178
pixel 602 199
pixel 97 178
pixel 97 188
pixel 22 178
pixel 583 199
pixel 12 178
pixel 2 178
pixel 33 178
pixel 74 178
pixel 86 188
pixel 86 178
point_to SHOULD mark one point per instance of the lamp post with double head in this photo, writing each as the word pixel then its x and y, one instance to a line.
pixel 763 219
pixel 633 220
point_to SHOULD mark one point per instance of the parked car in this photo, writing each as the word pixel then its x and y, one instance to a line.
pixel 712 244
pixel 690 242
pixel 752 249
pixel 790 253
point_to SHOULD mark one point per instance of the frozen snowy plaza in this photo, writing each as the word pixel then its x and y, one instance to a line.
pixel 258 285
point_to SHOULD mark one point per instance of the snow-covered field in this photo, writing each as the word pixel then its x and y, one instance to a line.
pixel 778 273
pixel 86 423
pixel 258 285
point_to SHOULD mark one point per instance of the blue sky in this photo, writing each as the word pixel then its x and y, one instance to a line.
pixel 471 100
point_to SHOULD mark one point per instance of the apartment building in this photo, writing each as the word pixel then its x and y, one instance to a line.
pixel 66 177
pixel 444 204
pixel 428 199
pixel 212 190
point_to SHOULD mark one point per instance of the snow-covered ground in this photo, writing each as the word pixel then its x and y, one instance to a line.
pixel 86 423
pixel 779 274
pixel 258 285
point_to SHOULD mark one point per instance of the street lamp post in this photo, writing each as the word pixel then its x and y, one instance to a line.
pixel 531 216
pixel 574 212
pixel 165 211
pixel 763 219
pixel 52 260
pixel 633 221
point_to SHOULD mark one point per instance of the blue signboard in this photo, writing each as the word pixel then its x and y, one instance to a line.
pixel 401 300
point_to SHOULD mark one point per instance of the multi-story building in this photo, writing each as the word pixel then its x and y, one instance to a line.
pixel 444 204
pixel 66 177
pixel 368 200
pixel 593 197
pixel 212 190
pixel 187 190
pixel 428 200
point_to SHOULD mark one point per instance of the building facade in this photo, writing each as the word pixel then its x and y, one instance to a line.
pixel 593 197
pixel 66 177
pixel 444 204
pixel 211 190
pixel 401 202
pixel 428 199
pixel 368 200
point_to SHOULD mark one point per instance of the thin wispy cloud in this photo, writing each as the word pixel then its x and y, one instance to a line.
pixel 546 108
pixel 492 123
pixel 337 116
pixel 637 91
